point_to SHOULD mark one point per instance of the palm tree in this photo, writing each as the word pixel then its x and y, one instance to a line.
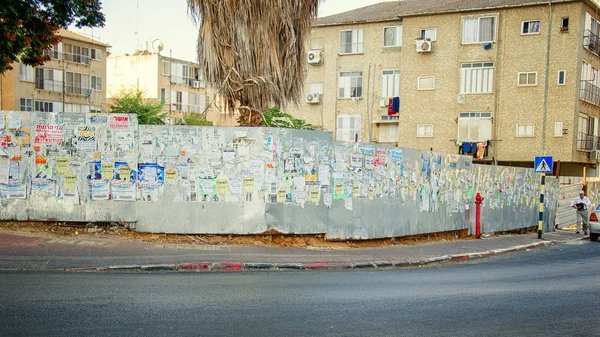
pixel 252 51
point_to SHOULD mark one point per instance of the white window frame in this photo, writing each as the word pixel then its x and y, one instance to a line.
pixel 529 22
pixel 398 40
pixel 558 129
pixel 423 34
pixel 95 109
pixel 385 82
pixel 423 78
pixel 360 41
pixel 353 133
pixel 479 86
pixel 96 54
pixel 26 104
pixel 165 65
pixel 48 106
pixel 424 130
pixel 97 79
pixel 315 88
pixel 525 127
pixel 564 72
pixel 479 18
pixel 26 73
pixel 388 133
pixel 350 90
pixel 527 84
pixel 470 117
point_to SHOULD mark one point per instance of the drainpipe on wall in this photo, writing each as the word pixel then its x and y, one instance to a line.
pixel 372 104
pixel 547 74
pixel 368 114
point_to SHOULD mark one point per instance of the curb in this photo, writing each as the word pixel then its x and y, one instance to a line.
pixel 239 266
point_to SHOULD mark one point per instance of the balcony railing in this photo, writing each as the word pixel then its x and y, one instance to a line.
pixel 77 58
pixel 78 89
pixel 587 142
pixel 590 92
pixel 591 42
pixel 49 85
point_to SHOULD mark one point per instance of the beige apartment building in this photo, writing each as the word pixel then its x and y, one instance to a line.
pixel 72 81
pixel 177 83
pixel 467 74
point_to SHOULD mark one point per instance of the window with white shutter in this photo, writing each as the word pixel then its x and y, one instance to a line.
pixel 476 78
pixel 26 73
pixel 348 128
pixel 350 84
pixel 479 29
pixel 474 126
pixel 390 86
pixel 351 41
pixel 525 129
pixel 392 36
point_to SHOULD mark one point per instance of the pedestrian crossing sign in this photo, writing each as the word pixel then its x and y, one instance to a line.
pixel 543 164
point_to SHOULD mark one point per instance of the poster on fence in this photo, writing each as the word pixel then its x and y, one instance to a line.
pixel 123 184
pixel 151 179
pixel 99 188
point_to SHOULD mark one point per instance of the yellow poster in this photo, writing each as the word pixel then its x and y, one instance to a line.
pixel 170 176
pixel 315 196
pixel 108 170
pixel 70 182
pixel 124 173
pixel 356 191
pixel 62 165
pixel 249 184
pixel 371 193
pixel 281 195
pixel 222 187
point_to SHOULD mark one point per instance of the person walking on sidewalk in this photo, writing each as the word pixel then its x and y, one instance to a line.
pixel 581 204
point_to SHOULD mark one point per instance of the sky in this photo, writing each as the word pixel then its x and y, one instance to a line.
pixel 168 20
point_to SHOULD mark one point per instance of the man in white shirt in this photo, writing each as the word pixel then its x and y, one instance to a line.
pixel 581 204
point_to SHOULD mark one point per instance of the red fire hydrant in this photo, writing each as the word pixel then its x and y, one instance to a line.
pixel 478 201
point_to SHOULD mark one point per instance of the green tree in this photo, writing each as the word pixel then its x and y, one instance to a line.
pixel 196 119
pixel 131 101
pixel 28 27
pixel 276 118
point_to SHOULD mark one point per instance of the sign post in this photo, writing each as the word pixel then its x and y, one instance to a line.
pixel 542 165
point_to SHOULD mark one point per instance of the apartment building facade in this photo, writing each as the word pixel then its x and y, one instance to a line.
pixel 470 79
pixel 74 80
pixel 177 83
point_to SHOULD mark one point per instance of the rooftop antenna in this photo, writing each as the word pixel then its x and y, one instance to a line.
pixel 158 45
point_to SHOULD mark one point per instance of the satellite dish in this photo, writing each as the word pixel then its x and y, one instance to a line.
pixel 158 45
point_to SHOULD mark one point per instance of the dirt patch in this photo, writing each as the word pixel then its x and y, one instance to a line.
pixel 271 237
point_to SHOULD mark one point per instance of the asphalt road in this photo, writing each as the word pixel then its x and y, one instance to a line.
pixel 543 292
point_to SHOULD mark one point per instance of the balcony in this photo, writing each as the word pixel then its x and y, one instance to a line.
pixel 78 89
pixel 49 85
pixel 590 93
pixel 587 142
pixel 591 42
pixel 386 118
pixel 76 58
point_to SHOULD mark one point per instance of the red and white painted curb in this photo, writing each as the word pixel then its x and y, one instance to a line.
pixel 239 266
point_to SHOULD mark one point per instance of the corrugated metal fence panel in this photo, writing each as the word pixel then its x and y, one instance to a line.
pixel 566 216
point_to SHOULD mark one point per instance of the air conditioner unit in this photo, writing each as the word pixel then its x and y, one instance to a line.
pixel 314 57
pixel 423 46
pixel 196 84
pixel 312 98
pixel 595 155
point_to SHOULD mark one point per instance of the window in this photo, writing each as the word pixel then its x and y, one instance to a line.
pixel 388 133
pixel 96 54
pixel 96 83
pixel 26 73
pixel 530 27
pixel 474 126
pixel 316 88
pixel 348 128
pixel 81 108
pixel 392 36
pixel 351 41
pixel 564 25
pixel 558 129
pixel 166 68
pixel 476 78
pixel 479 29
pixel 55 52
pixel 49 79
pixel 77 54
pixel 390 86
pixel 525 129
pixel 48 106
pixel 95 109
pixel 350 84
pixel 429 33
pixel 527 79
pixel 424 130
pixel 78 83
pixel 426 83
pixel 163 94
pixel 562 77
pixel 26 104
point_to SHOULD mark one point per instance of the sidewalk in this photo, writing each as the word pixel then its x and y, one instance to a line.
pixel 26 251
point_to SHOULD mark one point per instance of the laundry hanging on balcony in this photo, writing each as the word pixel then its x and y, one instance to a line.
pixel 394 106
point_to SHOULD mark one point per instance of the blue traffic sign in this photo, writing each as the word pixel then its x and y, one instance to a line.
pixel 543 164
